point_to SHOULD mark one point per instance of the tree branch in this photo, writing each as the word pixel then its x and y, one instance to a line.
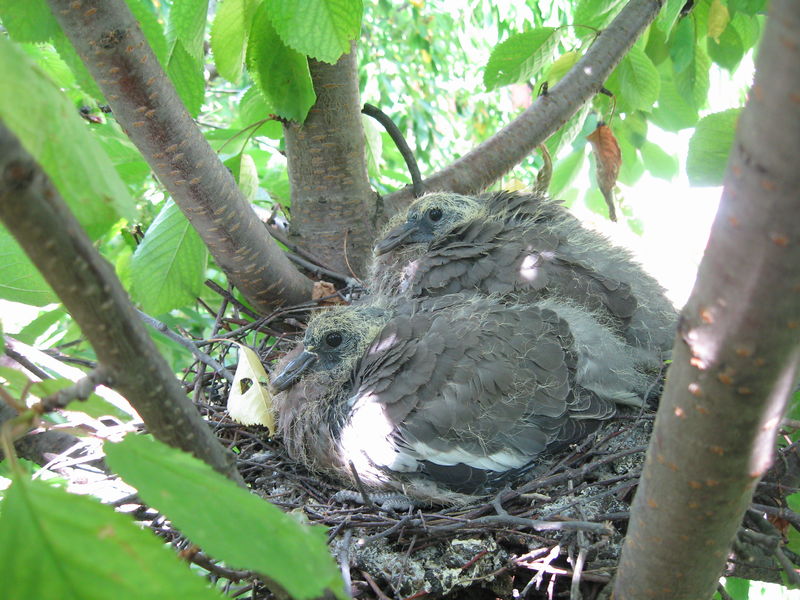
pixel 38 218
pixel 737 355
pixel 144 101
pixel 487 162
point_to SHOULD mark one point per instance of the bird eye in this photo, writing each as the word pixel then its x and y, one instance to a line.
pixel 333 339
pixel 435 214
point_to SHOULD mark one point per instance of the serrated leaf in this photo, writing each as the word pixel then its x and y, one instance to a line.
pixel 250 400
pixel 20 281
pixel 187 25
pixel 673 112
pixel 565 172
pixel 658 162
pixel 169 265
pixel 321 29
pixel 28 21
pixel 40 528
pixel 561 67
pixel 520 57
pixel 280 73
pixel 710 146
pixel 229 35
pixel 186 74
pixel 199 502
pixel 49 128
pixel 640 83
pixel 718 19
pixel 693 81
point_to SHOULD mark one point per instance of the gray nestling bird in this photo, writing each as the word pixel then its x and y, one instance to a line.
pixel 440 397
pixel 524 244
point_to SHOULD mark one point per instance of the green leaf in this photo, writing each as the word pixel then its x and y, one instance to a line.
pixel 682 44
pixel 596 13
pixel 710 146
pixel 321 29
pixel 633 127
pixel 728 51
pixel 673 112
pixel 248 177
pixel 520 57
pixel 70 57
pixel 748 7
pixel 639 80
pixel 739 589
pixel 656 47
pixel 187 25
pixel 747 28
pixel 561 67
pixel 374 146
pixel 693 81
pixel 41 527
pixel 20 281
pixel 58 139
pixel 229 35
pixel 36 328
pixel 199 502
pixel 169 265
pixel 569 131
pixel 254 108
pixel 28 21
pixel 631 169
pixel 565 171
pixel 280 73
pixel 669 14
pixel 186 74
pixel 660 163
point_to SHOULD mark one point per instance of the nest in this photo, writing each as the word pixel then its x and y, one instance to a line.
pixel 556 533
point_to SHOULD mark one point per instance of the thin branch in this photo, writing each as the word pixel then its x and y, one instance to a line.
pixel 191 345
pixel 399 141
pixel 489 161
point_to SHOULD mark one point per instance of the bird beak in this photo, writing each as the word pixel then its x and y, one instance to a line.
pixel 395 238
pixel 293 371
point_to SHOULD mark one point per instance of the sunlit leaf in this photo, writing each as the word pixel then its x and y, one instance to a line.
pixel 322 29
pixel 710 146
pixel 229 35
pixel 169 265
pixel 40 528
pixel 521 56
pixel 206 507
pixel 281 73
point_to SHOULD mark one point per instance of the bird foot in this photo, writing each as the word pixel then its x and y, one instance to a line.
pixel 387 501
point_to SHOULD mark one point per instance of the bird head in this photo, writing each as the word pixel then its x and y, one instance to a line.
pixel 428 218
pixel 333 342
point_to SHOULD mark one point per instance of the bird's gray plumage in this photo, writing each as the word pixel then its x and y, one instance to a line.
pixel 436 396
pixel 523 244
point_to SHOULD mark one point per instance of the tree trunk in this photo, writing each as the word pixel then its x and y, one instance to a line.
pixel 737 354
pixel 333 206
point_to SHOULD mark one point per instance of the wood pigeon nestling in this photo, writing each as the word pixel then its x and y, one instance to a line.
pixel 452 395
pixel 528 245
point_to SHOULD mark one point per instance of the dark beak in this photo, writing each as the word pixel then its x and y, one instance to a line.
pixel 293 371
pixel 395 238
